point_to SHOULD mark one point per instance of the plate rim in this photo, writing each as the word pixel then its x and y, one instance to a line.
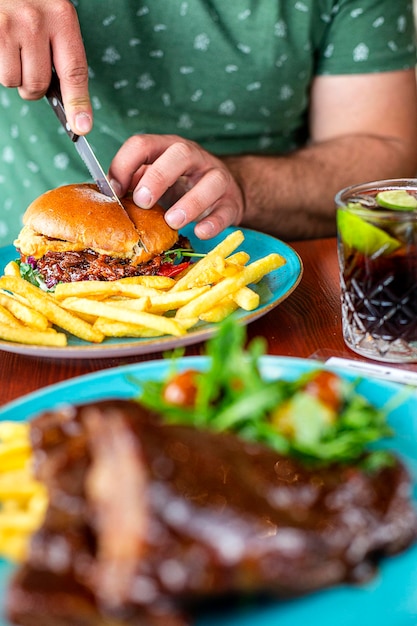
pixel 162 364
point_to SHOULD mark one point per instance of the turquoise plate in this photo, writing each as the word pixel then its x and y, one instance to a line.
pixel 390 599
pixel 273 289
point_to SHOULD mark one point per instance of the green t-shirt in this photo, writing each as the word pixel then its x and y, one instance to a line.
pixel 232 75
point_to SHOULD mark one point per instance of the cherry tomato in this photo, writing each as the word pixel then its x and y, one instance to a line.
pixel 326 387
pixel 181 389
pixel 170 270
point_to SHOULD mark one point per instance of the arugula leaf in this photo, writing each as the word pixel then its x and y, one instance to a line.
pixel 232 395
pixel 177 254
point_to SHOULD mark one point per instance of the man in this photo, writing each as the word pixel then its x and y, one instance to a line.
pixel 243 112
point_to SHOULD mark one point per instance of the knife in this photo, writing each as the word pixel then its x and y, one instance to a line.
pixel 53 95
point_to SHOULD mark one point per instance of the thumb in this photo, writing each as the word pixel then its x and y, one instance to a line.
pixel 70 61
pixel 76 100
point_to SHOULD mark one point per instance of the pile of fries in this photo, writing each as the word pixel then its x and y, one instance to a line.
pixel 23 500
pixel 141 306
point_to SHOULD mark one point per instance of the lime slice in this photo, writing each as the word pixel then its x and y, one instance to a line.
pixel 363 236
pixel 396 199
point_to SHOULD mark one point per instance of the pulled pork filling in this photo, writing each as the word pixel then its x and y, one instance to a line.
pixel 69 267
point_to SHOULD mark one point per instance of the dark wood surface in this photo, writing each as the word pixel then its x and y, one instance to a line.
pixel 306 324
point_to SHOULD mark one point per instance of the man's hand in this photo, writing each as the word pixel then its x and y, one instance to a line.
pixel 196 185
pixel 367 136
pixel 36 34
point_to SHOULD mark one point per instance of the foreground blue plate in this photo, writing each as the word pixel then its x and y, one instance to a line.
pixel 389 600
pixel 273 289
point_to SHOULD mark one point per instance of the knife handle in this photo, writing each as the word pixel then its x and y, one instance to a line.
pixel 54 97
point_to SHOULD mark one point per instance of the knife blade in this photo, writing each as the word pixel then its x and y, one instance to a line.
pixel 53 95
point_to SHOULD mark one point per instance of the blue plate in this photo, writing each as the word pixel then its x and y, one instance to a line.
pixel 390 599
pixel 273 289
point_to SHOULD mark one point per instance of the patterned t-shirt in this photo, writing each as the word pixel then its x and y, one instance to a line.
pixel 232 75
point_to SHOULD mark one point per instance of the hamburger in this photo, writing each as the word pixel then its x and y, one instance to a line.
pixel 75 233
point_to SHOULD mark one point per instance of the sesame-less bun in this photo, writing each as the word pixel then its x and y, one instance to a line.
pixel 78 217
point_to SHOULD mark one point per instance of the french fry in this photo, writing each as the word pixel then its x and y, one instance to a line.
pixel 250 273
pixel 224 249
pixel 8 319
pixel 161 303
pixel 246 298
pixel 18 521
pixel 12 269
pixel 24 313
pixel 234 263
pixel 12 431
pixel 188 322
pixel 238 258
pixel 33 337
pixel 165 325
pixel 210 273
pixel 18 484
pixel 46 304
pixel 13 546
pixel 220 311
pixel 95 288
pixel 12 445
pixel 156 282
pixel 23 500
pixel 18 297
pixel 13 454
pixel 111 328
pixel 87 318
pixel 174 300
pixel 231 270
pixel 135 304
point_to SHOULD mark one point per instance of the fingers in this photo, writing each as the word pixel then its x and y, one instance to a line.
pixel 34 34
pixel 20 25
pixel 222 215
pixel 147 149
pixel 210 202
pixel 75 98
pixel 71 66
pixel 203 187
pixel 178 159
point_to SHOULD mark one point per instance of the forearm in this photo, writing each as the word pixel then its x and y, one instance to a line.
pixel 292 196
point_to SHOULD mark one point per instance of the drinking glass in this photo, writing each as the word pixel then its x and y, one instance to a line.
pixel 377 250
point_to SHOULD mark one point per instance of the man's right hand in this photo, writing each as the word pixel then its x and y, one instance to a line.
pixel 36 34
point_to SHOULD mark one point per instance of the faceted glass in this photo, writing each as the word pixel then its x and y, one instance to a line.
pixel 377 249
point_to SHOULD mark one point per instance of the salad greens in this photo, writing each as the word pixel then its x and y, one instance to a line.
pixel 289 416
pixel 177 254
pixel 32 275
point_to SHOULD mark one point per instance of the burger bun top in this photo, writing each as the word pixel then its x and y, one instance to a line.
pixel 78 217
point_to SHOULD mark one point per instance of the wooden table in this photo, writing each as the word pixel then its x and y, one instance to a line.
pixel 306 324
